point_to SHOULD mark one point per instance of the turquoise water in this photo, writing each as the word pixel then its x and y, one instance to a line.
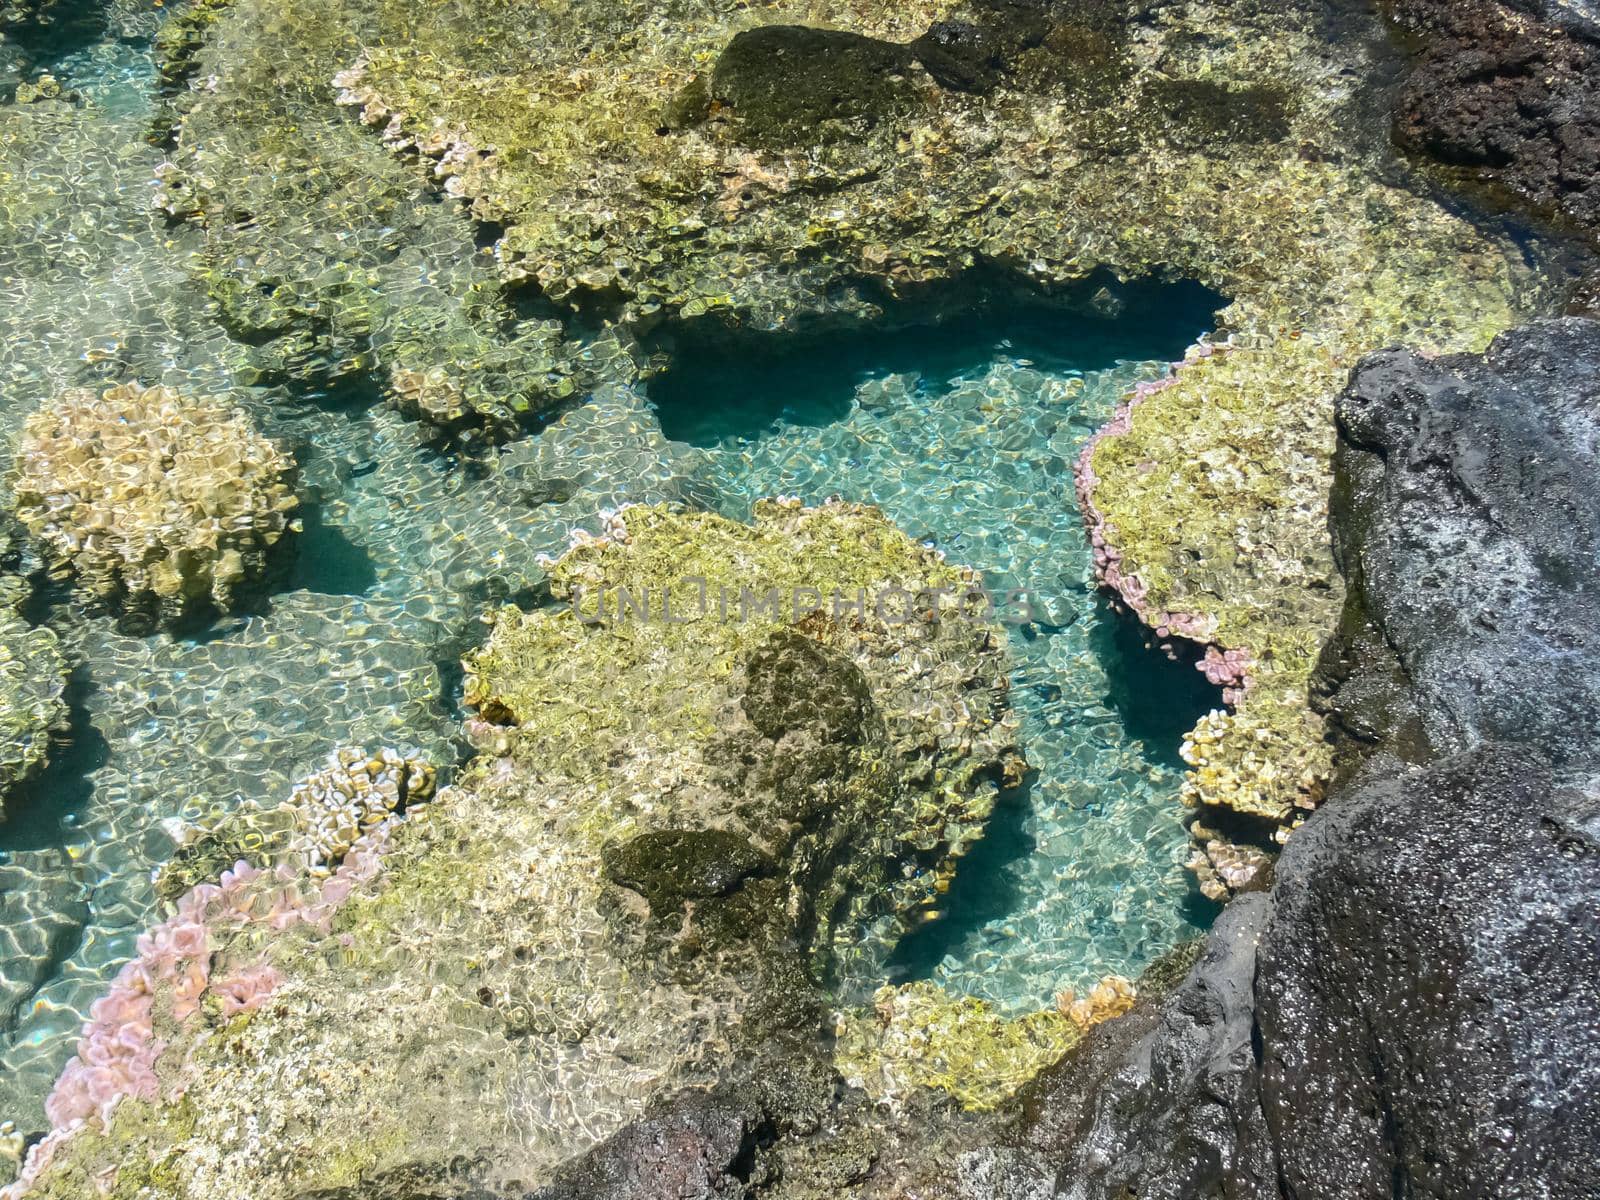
pixel 360 642
pixel 965 434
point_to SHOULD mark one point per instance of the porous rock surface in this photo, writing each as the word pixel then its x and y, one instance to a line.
pixel 1413 1008
pixel 154 503
pixel 1508 91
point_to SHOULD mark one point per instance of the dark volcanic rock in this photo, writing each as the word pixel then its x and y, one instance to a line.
pixel 1509 88
pixel 1428 994
pixel 790 85
pixel 1472 533
pixel 1420 1016
pixel 793 683
pixel 1164 1104
pixel 670 866
pixel 700 1147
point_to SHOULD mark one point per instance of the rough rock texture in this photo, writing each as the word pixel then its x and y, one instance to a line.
pixel 1497 453
pixel 1165 1102
pixel 483 990
pixel 1509 91
pixel 1424 999
pixel 1428 993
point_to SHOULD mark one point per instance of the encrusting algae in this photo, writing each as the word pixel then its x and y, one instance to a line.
pixel 919 1036
pixel 33 681
pixel 1072 143
pixel 669 833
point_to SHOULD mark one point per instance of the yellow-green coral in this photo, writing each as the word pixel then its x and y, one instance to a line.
pixel 33 678
pixel 152 500
pixel 515 984
pixel 918 1036
pixel 1216 498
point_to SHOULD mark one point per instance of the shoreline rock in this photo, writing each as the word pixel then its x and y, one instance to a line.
pixel 1379 1026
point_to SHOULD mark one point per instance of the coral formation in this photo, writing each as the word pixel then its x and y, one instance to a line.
pixel 611 902
pixel 335 807
pixel 326 814
pixel 33 680
pixel 337 268
pixel 918 1036
pixel 155 503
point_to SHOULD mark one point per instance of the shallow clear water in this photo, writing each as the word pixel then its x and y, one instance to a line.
pixel 964 438
pixel 965 434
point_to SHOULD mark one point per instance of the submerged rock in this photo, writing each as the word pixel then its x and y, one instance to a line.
pixel 789 85
pixel 33 684
pixel 634 887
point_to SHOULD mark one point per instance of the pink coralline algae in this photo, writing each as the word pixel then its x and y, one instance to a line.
pixel 1228 669
pixel 174 974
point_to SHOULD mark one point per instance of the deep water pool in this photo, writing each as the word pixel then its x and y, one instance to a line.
pixel 964 432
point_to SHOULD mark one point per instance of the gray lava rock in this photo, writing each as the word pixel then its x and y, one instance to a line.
pixel 700 1147
pixel 1472 533
pixel 1164 1103
pixel 1428 994
pixel 1420 1016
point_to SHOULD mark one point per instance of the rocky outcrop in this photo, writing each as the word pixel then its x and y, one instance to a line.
pixel 1510 92
pixel 1413 1009
pixel 1497 455
pixel 1428 999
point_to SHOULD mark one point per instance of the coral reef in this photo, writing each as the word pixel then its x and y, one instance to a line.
pixel 155 503
pixel 33 680
pixel 338 268
pixel 325 815
pixel 665 170
pixel 610 903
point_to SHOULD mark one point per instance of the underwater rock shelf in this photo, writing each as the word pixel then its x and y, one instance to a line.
pixel 775 781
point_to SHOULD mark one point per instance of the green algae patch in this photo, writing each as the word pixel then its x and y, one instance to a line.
pixel 617 899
